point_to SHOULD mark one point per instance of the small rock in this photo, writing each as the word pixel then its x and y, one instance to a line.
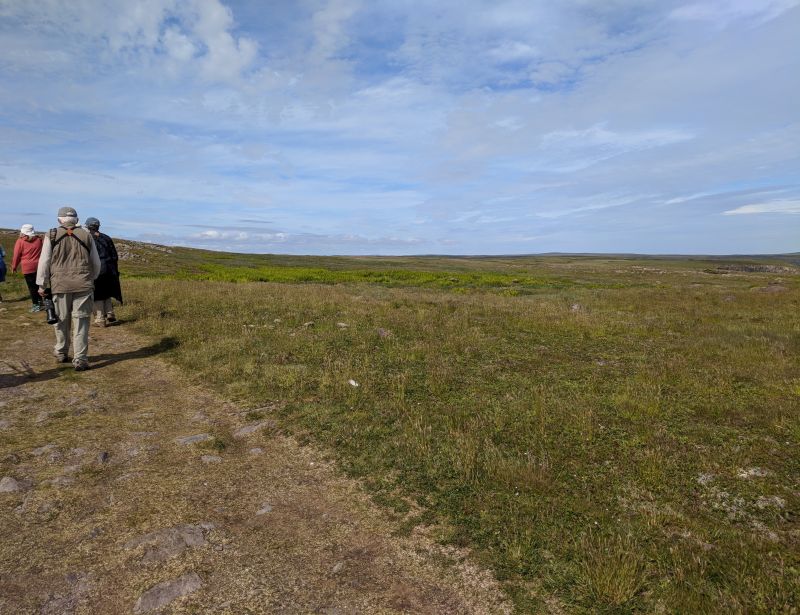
pixel 265 508
pixel 383 333
pixel 43 450
pixel 4 424
pixel 353 383
pixel 342 325
pixel 103 457
pixel 9 485
pixel 575 307
pixel 164 593
pixel 337 567
pixel 91 394
pixel 201 437
pixel 308 324
pixel 247 430
pixel 256 451
pixel 211 459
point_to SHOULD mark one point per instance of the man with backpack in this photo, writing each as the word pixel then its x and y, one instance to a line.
pixel 68 267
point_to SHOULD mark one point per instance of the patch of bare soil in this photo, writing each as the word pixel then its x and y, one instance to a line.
pixel 126 489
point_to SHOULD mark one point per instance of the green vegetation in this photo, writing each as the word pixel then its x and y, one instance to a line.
pixel 608 434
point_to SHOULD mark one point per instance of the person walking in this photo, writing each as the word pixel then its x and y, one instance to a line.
pixel 27 251
pixel 106 286
pixel 2 269
pixel 68 267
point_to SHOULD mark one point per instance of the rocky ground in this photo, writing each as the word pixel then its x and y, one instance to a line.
pixel 129 488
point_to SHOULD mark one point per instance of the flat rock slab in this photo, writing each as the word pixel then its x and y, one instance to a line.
pixel 201 437
pixel 211 459
pixel 164 593
pixel 9 485
pixel 247 430
pixel 170 542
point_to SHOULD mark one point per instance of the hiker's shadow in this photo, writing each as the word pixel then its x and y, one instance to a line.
pixel 25 374
pixel 163 345
pixel 8 381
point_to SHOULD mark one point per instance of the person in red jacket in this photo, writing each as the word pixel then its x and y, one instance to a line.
pixel 27 251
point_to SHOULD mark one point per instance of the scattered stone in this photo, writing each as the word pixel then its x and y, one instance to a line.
pixel 342 325
pixel 753 472
pixel 247 430
pixel 170 542
pixel 201 437
pixel 256 451
pixel 772 501
pixel 4 424
pixel 265 508
pixel 575 307
pixel 91 394
pixel 103 457
pixel 353 383
pixel 308 324
pixel 337 568
pixel 43 450
pixel 211 459
pixel 9 485
pixel 63 603
pixel 384 333
pixel 164 593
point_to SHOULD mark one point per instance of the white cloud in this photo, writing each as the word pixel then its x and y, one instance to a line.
pixel 772 207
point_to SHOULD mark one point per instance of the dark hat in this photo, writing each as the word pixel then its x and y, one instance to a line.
pixel 91 222
pixel 67 212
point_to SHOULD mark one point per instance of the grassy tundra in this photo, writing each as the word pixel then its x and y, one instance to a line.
pixel 608 434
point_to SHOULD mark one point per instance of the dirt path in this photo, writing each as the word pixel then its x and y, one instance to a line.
pixel 117 497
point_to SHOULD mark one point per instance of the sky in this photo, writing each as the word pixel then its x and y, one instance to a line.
pixel 407 126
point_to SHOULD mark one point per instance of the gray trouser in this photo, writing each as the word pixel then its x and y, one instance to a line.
pixel 74 311
pixel 103 308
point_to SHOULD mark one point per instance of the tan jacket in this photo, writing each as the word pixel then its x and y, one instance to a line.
pixel 69 263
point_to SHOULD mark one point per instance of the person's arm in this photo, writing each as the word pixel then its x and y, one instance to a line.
pixel 17 256
pixel 43 270
pixel 94 258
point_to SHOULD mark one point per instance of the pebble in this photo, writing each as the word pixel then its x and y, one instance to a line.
pixel 337 567
pixel 256 451
pixel 247 430
pixel 210 459
pixel 265 508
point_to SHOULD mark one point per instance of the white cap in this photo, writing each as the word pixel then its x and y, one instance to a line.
pixel 27 229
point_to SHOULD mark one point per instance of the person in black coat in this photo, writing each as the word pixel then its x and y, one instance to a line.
pixel 106 286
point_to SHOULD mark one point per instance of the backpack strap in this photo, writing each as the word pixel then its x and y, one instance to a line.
pixel 69 233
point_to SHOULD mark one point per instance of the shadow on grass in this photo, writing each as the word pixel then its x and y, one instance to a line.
pixel 8 381
pixel 163 345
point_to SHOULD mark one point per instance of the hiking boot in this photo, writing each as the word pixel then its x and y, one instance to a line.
pixel 80 366
pixel 35 308
pixel 110 319
pixel 61 358
pixel 99 322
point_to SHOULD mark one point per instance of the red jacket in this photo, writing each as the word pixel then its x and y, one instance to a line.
pixel 27 253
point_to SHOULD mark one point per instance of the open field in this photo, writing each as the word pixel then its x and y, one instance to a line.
pixel 608 434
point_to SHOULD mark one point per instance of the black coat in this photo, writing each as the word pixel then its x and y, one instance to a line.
pixel 106 285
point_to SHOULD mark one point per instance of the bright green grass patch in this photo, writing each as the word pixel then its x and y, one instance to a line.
pixel 392 277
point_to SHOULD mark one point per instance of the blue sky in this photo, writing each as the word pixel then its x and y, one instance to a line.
pixel 407 127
